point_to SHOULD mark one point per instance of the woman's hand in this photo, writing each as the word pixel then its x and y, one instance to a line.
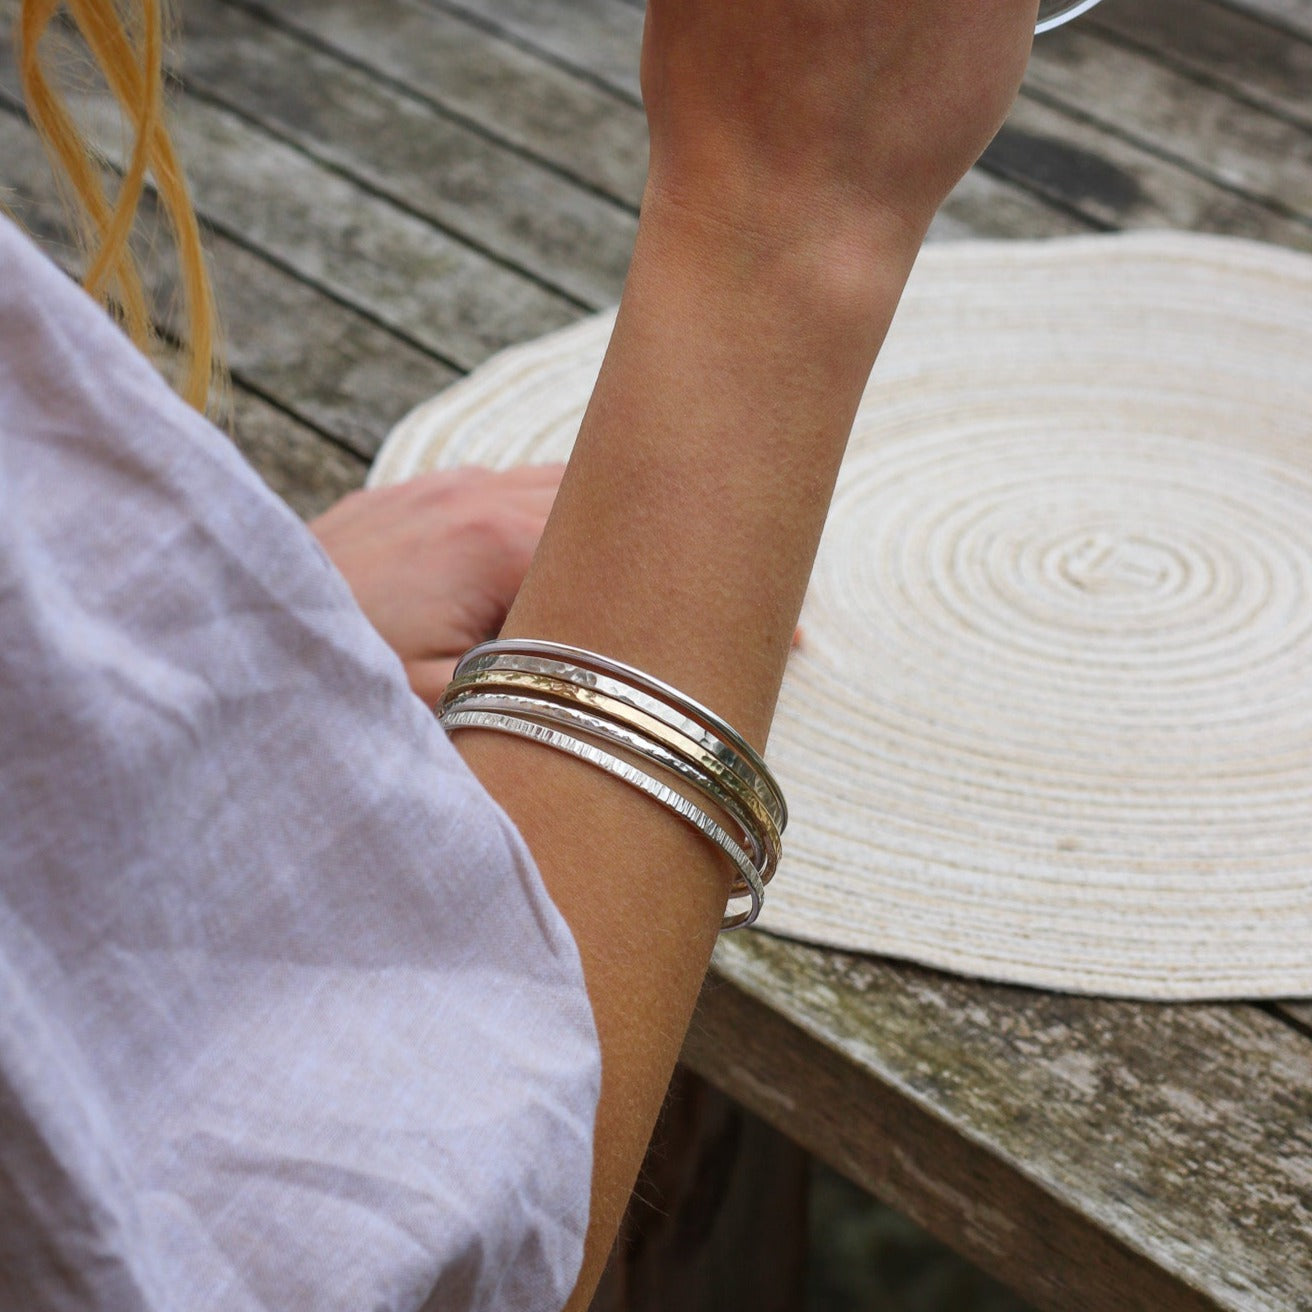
pixel 791 117
pixel 436 562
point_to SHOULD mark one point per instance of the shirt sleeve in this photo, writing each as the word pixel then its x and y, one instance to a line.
pixel 287 1017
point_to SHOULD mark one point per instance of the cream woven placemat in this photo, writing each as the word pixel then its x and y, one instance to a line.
pixel 1051 722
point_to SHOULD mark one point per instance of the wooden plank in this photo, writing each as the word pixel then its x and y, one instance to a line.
pixel 1093 1155
pixel 314 357
pixel 303 468
pixel 360 249
pixel 1118 184
pixel 335 369
pixel 1133 96
pixel 512 95
pixel 599 38
pixel 394 40
pixel 339 370
pixel 982 205
pixel 1049 149
pixel 1292 16
pixel 520 212
pixel 1247 59
pixel 397 44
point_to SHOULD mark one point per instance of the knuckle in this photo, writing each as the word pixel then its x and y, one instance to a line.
pixel 486 527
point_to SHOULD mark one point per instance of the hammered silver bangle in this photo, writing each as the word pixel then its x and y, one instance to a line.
pixel 455 718
pixel 643 692
pixel 581 703
pixel 619 723
pixel 579 723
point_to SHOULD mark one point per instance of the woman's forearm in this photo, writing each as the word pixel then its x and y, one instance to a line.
pixel 681 542
pixel 687 523
pixel 798 152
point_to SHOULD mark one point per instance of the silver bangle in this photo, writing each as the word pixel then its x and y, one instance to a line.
pixel 649 730
pixel 763 844
pixel 641 691
pixel 456 718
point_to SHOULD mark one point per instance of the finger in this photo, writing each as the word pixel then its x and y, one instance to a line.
pixel 429 678
pixel 536 495
pixel 549 472
pixel 530 500
pixel 531 477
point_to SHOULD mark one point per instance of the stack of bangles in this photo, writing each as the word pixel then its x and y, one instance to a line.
pixel 638 729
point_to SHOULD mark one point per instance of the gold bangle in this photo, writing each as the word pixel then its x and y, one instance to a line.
pixel 589 670
pixel 621 712
pixel 582 722
pixel 675 802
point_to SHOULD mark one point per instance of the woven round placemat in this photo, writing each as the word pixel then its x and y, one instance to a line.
pixel 1051 720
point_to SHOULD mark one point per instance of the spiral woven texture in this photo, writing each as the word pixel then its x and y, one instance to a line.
pixel 1051 720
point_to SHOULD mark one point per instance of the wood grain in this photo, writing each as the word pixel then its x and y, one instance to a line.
pixel 308 472
pixel 1250 61
pixel 319 361
pixel 1130 95
pixel 1292 16
pixel 509 94
pixel 1129 169
pixel 599 38
pixel 1092 1154
pixel 559 117
pixel 355 247
pixel 520 212
pixel 1116 183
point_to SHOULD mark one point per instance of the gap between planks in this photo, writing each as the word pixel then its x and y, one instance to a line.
pixel 600 38
pixel 1293 18
pixel 334 370
pixel 1225 51
pixel 584 134
pixel 394 146
pixel 398 270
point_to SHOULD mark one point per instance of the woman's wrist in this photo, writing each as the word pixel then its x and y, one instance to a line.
pixel 708 455
pixel 833 272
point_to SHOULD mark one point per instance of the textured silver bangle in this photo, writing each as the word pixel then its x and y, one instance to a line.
pixel 643 692
pixel 456 718
pixel 549 690
pixel 762 842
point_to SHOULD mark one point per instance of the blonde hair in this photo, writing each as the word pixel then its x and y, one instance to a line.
pixel 126 39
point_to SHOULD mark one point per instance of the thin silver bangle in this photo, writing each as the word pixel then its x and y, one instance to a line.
pixel 591 669
pixel 641 691
pixel 635 778
pixel 763 844
pixel 551 690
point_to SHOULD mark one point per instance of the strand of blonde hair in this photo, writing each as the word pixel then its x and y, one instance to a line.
pixel 128 48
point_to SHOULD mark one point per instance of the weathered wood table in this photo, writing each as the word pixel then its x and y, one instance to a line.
pixel 395 189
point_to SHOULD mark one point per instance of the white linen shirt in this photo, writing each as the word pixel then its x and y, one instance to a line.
pixel 287 1018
